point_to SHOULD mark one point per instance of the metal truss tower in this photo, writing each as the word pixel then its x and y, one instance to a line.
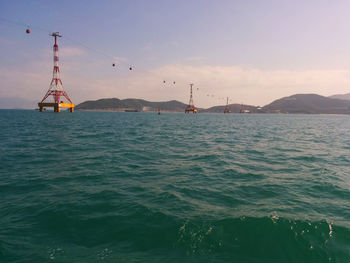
pixel 59 97
pixel 190 107
pixel 227 109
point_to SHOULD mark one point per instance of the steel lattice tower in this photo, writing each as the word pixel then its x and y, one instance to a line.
pixel 190 107
pixel 227 109
pixel 56 88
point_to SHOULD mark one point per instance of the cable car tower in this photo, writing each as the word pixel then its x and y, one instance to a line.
pixel 190 107
pixel 227 109
pixel 60 98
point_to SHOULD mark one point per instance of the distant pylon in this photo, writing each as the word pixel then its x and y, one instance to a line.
pixel 227 109
pixel 56 87
pixel 190 107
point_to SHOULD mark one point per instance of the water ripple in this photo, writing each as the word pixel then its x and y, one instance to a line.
pixel 136 187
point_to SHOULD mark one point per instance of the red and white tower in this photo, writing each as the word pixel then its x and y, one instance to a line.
pixel 190 107
pixel 59 98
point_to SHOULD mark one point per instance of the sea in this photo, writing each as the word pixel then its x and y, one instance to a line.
pixel 142 187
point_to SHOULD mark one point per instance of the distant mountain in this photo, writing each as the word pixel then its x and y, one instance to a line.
pixel 299 103
pixel 308 103
pixel 341 96
pixel 131 104
pixel 235 108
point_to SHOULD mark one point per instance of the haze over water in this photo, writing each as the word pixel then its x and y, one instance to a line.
pixel 138 187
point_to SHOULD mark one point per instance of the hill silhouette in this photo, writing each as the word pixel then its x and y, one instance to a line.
pixel 341 96
pixel 308 103
pixel 298 103
pixel 115 104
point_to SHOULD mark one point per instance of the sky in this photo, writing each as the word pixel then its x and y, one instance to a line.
pixel 251 51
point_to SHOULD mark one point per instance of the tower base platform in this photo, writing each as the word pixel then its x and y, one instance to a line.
pixel 56 106
pixel 191 109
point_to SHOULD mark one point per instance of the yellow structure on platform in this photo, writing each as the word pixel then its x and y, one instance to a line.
pixel 56 106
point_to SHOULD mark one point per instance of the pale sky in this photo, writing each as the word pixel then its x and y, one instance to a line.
pixel 251 51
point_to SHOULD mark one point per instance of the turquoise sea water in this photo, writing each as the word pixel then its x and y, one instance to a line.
pixel 138 187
